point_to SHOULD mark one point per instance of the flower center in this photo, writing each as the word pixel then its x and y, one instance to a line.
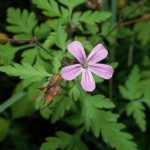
pixel 85 64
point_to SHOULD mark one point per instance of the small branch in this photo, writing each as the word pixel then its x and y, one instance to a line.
pixel 130 22
pixel 13 41
pixel 143 18
pixel 121 21
pixel 32 40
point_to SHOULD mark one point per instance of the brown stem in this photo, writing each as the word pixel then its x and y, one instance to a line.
pixel 130 22
pixel 147 18
pixel 32 40
pixel 13 41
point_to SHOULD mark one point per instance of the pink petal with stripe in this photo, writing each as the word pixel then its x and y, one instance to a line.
pixel 77 50
pixel 71 72
pixel 102 70
pixel 87 81
pixel 97 54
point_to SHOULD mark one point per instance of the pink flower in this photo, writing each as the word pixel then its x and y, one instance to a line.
pixel 87 66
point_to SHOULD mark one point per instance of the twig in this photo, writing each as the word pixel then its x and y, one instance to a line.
pixel 32 40
pixel 130 22
pixel 121 21
pixel 13 41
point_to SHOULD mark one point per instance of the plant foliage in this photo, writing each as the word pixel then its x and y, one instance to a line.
pixel 33 49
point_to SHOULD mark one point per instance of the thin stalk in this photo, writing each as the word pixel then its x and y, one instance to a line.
pixel 13 41
pixel 25 46
pixel 41 46
pixel 130 22
pixel 114 6
pixel 130 55
pixel 32 40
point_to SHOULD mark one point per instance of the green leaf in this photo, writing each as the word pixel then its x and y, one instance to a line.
pixel 60 106
pixel 74 119
pixel 71 4
pixel 46 112
pixel 29 55
pixel 104 123
pixel 75 92
pixel 57 61
pixel 137 110
pixel 142 32
pixel 90 106
pixel 22 108
pixel 113 134
pixel 21 23
pixel 43 30
pixel 97 79
pixel 26 71
pixel 90 17
pixel 64 141
pixel 131 89
pixel 7 54
pixel 100 101
pixel 49 7
pixel 129 8
pixel 11 101
pixel 50 40
pixel 61 38
pixel 57 109
pixel 91 29
pixel 5 124
pixel 146 91
pixel 106 28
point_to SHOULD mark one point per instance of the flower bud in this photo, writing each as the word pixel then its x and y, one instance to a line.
pixel 51 94
pixel 3 38
pixel 121 4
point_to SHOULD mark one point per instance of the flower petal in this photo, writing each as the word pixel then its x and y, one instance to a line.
pixel 71 72
pixel 104 71
pixel 98 53
pixel 77 50
pixel 87 81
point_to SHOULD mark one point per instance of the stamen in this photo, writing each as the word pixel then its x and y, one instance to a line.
pixel 85 64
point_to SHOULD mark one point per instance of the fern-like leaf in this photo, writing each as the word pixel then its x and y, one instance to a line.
pixel 93 17
pixel 20 23
pixel 25 71
pixel 105 123
pixel 65 141
pixel 49 7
